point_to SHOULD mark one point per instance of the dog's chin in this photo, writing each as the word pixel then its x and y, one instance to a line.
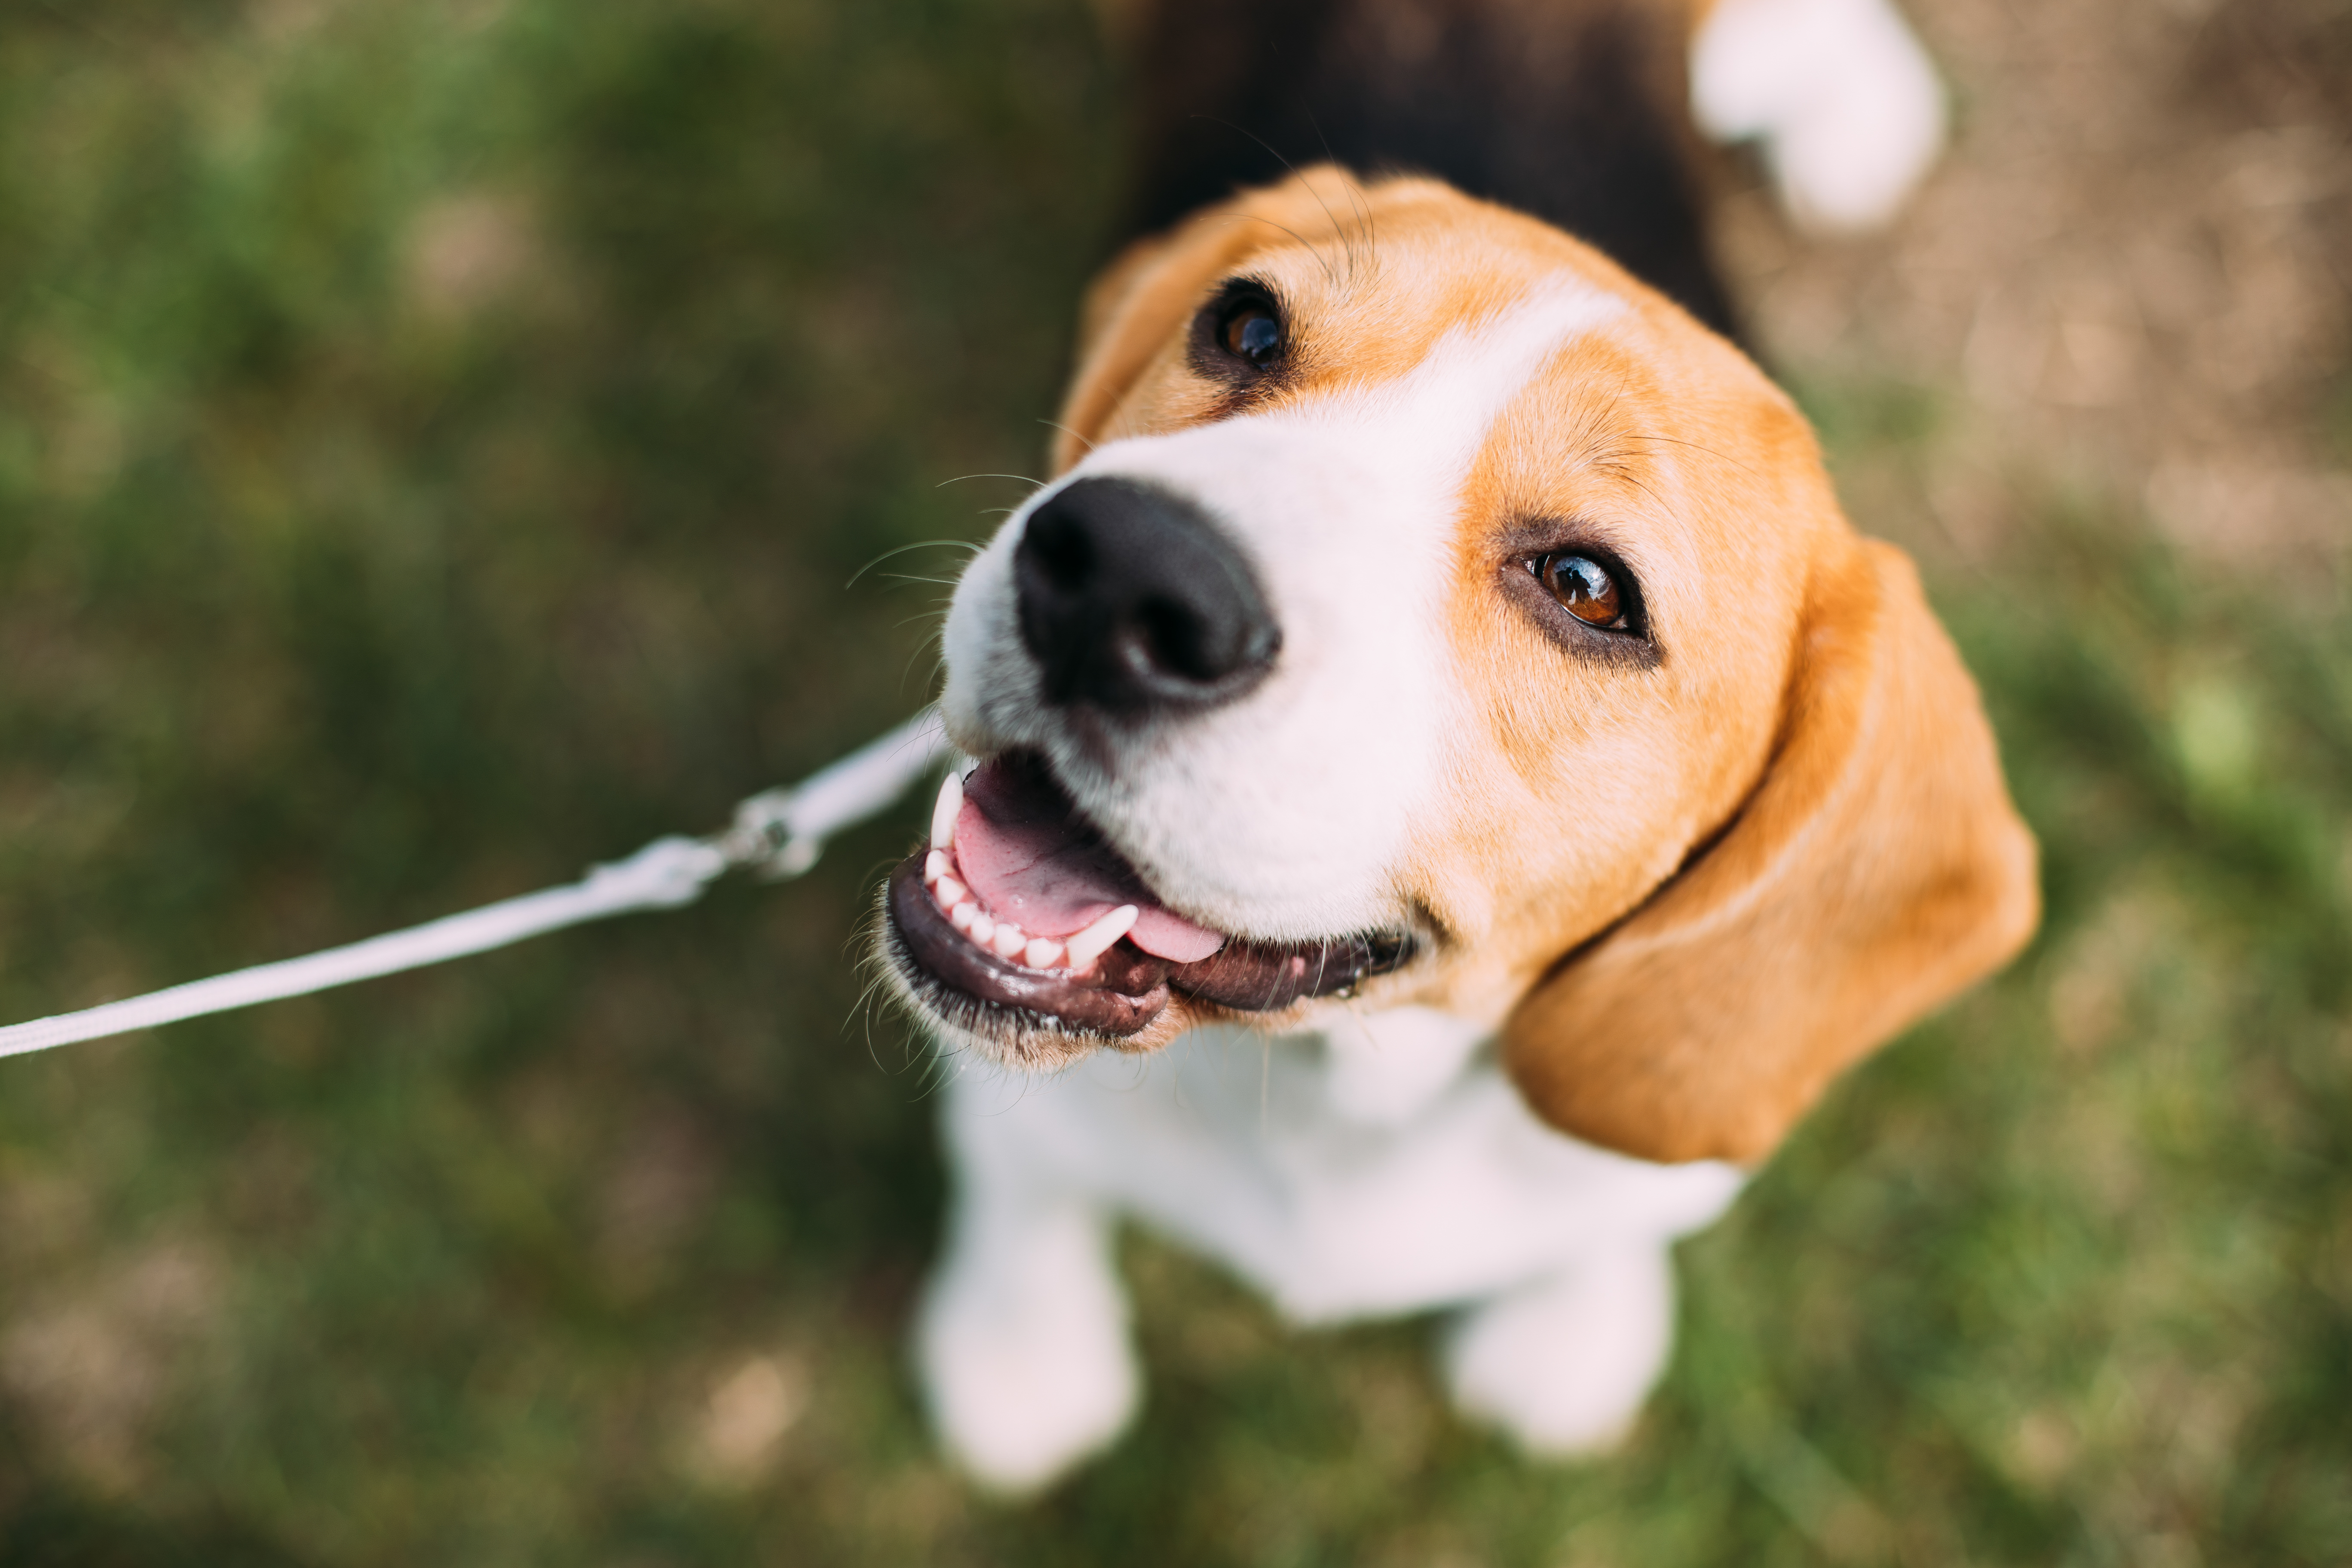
pixel 1060 995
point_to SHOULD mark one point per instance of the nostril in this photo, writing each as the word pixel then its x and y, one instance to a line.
pixel 1176 640
pixel 1060 548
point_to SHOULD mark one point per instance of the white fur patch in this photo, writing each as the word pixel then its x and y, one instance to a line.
pixel 1386 1068
pixel 1237 1145
pixel 1250 1151
pixel 1283 817
pixel 1845 101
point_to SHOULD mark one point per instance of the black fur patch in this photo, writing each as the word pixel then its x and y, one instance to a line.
pixel 1571 113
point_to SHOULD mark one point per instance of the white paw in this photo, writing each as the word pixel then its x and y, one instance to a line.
pixel 1564 1365
pixel 1022 1351
pixel 1846 103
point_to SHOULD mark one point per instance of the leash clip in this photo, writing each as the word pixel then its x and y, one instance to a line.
pixel 762 841
pixel 778 833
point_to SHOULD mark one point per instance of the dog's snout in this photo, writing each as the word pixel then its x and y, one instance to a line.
pixel 1131 601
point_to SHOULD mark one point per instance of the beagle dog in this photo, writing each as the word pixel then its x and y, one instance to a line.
pixel 1447 786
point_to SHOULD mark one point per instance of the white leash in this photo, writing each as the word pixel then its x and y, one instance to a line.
pixel 778 833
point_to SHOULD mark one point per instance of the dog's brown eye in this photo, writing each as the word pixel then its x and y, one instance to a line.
pixel 1242 340
pixel 1584 588
pixel 1254 333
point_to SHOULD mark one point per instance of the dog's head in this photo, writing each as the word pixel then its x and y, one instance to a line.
pixel 1426 611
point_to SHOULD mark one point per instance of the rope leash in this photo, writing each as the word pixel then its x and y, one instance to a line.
pixel 778 833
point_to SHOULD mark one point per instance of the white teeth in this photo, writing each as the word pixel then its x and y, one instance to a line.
pixel 1003 937
pixel 944 812
pixel 1095 941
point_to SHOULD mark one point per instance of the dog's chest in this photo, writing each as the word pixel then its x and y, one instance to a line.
pixel 1387 1166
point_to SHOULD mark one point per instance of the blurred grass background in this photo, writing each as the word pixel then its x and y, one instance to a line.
pixel 434 440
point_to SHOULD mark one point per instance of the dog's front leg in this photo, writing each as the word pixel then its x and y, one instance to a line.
pixel 1022 1342
pixel 1564 1362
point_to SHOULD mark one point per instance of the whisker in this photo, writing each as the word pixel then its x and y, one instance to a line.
pixel 861 1012
pixel 1657 500
pixel 1347 184
pixel 936 1078
pixel 1694 446
pixel 930 644
pixel 960 478
pixel 1073 435
pixel 901 550
pixel 1320 260
pixel 1371 219
pixel 1337 229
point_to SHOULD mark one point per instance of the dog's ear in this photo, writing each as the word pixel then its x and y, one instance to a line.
pixel 1875 870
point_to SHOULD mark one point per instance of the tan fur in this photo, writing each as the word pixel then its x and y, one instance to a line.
pixel 1691 893
pixel 1876 869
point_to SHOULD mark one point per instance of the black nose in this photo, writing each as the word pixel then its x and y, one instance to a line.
pixel 1131 601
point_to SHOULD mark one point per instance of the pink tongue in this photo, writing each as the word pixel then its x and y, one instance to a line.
pixel 1031 863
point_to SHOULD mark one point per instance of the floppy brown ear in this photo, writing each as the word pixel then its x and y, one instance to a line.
pixel 1101 378
pixel 1876 869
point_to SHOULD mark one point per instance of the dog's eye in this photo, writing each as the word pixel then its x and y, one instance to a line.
pixel 1252 332
pixel 1584 587
pixel 1582 596
pixel 1241 339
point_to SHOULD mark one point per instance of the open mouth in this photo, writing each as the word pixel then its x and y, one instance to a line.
pixel 1019 916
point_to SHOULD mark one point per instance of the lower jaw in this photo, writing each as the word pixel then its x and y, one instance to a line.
pixel 1128 998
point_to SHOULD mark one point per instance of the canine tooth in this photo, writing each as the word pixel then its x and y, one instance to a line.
pixel 1043 953
pixel 950 892
pixel 944 812
pixel 982 930
pixel 935 865
pixel 962 915
pixel 1095 941
pixel 1009 941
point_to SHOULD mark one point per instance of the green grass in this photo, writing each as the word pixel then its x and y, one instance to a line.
pixel 434 440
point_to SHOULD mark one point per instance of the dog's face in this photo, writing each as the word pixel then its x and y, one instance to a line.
pixel 1422 598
